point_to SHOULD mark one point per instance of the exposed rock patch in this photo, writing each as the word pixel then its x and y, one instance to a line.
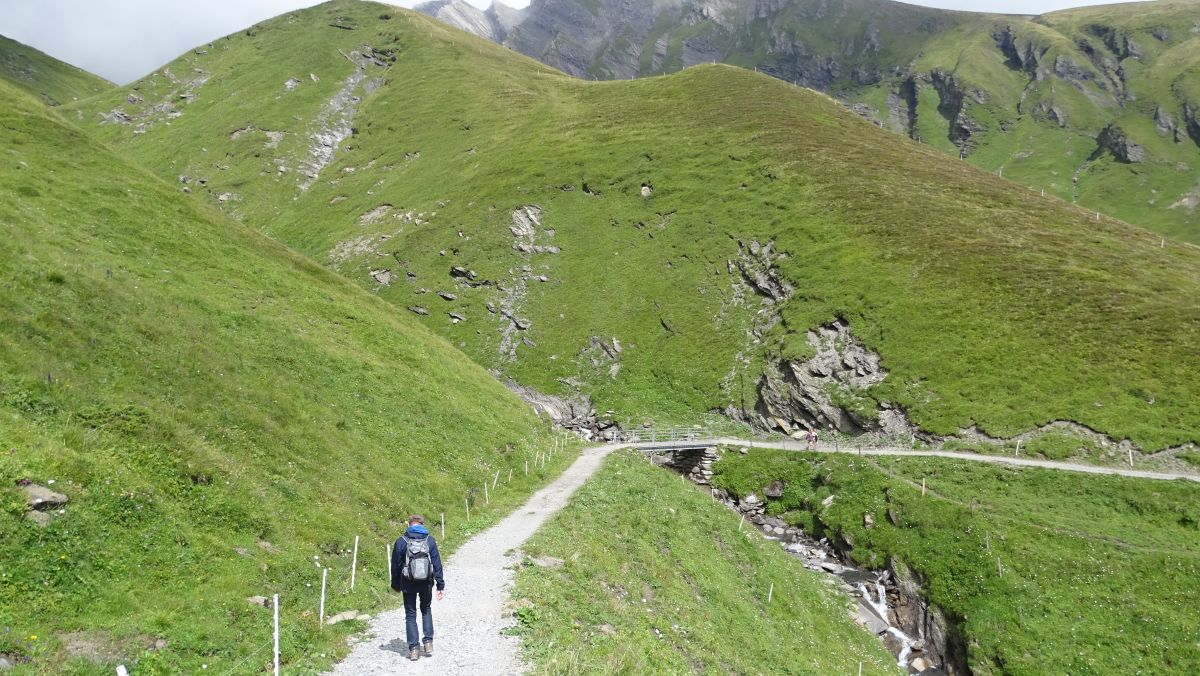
pixel 1114 141
pixel 335 123
pixel 828 390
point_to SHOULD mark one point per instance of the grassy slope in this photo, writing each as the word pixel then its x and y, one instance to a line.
pixel 653 558
pixel 194 387
pixel 989 304
pixel 44 76
pixel 870 40
pixel 1096 571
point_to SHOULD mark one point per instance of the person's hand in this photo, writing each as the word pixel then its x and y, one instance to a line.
pixel 441 595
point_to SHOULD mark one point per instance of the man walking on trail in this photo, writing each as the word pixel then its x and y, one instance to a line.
pixel 416 567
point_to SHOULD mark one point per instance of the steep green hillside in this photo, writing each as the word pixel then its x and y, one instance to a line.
pixel 656 577
pixel 666 245
pixel 223 415
pixel 1042 572
pixel 1094 105
pixel 44 76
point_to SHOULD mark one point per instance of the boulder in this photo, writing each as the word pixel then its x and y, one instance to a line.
pixel 41 498
pixel 347 616
pixel 919 665
pixel 40 518
pixel 417 309
pixel 828 501
pixel 868 521
pixel 775 489
pixel 259 601
pixel 548 562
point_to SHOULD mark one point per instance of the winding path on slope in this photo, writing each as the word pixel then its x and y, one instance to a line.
pixel 479 575
pixel 970 457
pixel 468 623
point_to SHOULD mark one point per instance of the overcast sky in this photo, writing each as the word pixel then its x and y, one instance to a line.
pixel 123 40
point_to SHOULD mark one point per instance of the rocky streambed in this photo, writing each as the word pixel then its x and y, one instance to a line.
pixel 888 602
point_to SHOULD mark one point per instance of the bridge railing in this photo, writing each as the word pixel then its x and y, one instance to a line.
pixel 667 435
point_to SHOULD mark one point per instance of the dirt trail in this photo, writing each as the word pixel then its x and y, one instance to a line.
pixel 467 624
pixel 972 457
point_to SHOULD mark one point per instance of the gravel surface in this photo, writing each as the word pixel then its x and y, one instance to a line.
pixel 970 457
pixel 467 624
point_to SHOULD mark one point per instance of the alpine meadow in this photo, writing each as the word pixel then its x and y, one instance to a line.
pixel 352 263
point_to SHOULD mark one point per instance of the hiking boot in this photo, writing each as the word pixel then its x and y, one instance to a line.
pixel 414 654
pixel 427 648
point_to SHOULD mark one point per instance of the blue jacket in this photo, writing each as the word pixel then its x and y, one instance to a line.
pixel 415 532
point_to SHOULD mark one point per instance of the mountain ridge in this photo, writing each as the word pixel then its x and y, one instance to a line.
pixel 54 81
pixel 1062 102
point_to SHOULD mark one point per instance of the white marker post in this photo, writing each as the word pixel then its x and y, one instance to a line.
pixel 387 556
pixel 740 523
pixel 999 567
pixel 354 563
pixel 487 500
pixel 922 486
pixel 1018 451
pixel 509 475
pixel 527 467
pixel 467 502
pixel 496 480
pixel 275 603
pixel 1131 458
pixel 771 592
pixel 321 614
pixel 443 526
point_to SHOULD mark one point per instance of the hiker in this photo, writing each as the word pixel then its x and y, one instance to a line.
pixel 416 566
pixel 811 435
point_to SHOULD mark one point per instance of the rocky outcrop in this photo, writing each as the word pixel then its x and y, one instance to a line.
pixel 828 390
pixel 1022 55
pixel 1114 141
pixel 573 412
pixel 1191 119
pixel 493 23
pixel 41 503
pixel 952 104
pixel 335 122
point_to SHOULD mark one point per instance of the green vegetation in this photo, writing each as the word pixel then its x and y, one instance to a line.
pixel 44 76
pixel 991 305
pixel 657 577
pixel 1027 95
pixel 224 416
pixel 1096 571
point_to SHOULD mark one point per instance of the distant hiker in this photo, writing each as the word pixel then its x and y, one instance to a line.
pixel 416 566
pixel 811 435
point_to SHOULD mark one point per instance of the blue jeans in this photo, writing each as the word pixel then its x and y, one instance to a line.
pixel 425 595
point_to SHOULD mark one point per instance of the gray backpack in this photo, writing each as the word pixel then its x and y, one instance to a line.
pixel 418 566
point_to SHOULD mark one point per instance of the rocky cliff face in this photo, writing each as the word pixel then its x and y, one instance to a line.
pixel 494 23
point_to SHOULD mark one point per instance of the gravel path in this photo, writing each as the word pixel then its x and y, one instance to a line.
pixel 467 624
pixel 971 457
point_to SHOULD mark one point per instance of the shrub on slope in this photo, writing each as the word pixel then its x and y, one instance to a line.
pixel 221 414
